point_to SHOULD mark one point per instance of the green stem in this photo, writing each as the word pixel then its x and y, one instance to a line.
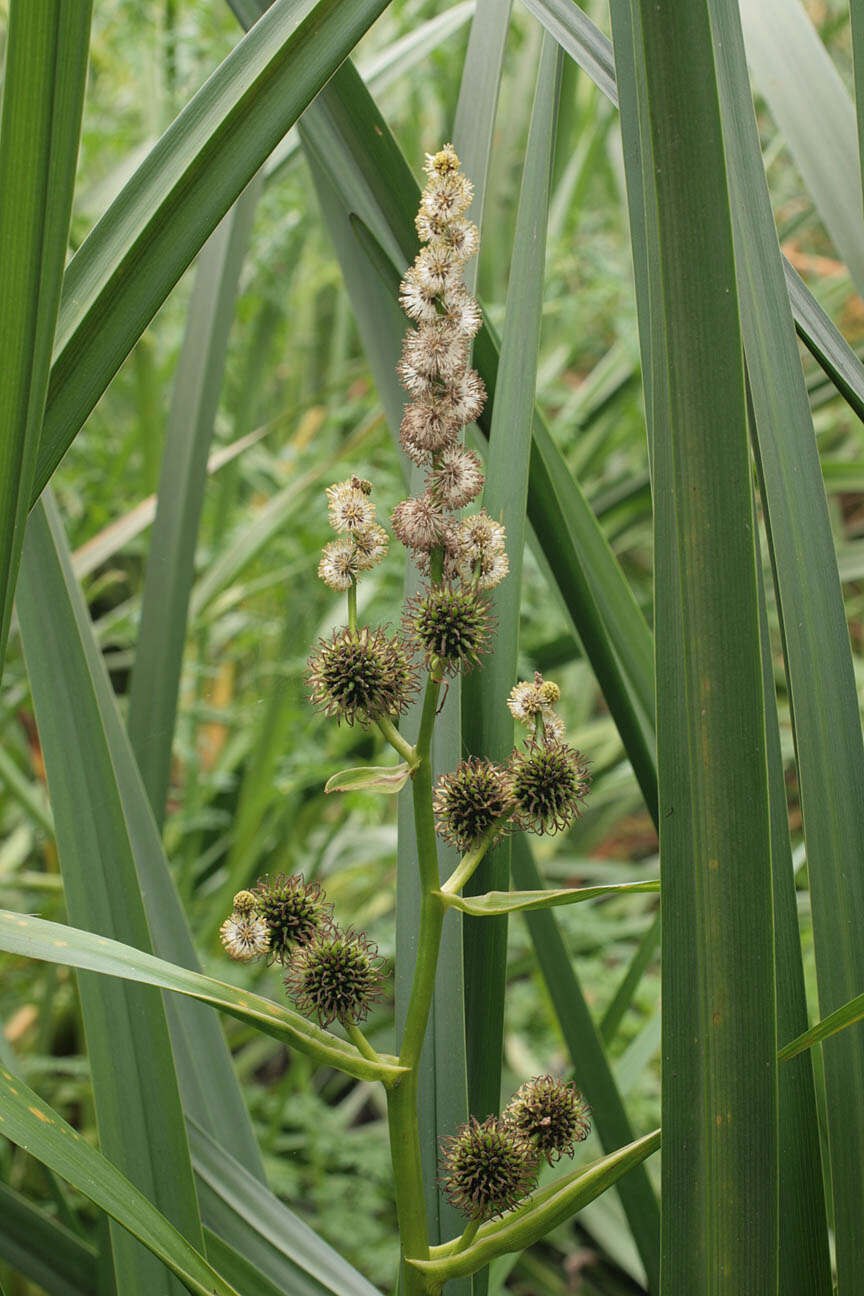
pixel 359 1040
pixel 469 1235
pixel 469 862
pixel 402 1099
pixel 352 607
pixel 408 1181
pixel 391 734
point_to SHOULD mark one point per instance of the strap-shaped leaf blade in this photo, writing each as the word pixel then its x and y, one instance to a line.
pixel 56 943
pixel 43 97
pixel 125 269
pixel 36 1127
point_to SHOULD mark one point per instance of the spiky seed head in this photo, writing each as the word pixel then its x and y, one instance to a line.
pixel 470 800
pixel 487 1168
pixel 549 781
pixel 244 937
pixel 293 911
pixel 451 623
pixel 336 976
pixel 457 477
pixel 244 902
pixel 339 563
pixel 551 1114
pixel 358 676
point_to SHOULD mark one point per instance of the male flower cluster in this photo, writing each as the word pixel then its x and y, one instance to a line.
pixel 360 542
pixel 488 1167
pixel 331 973
pixel 449 619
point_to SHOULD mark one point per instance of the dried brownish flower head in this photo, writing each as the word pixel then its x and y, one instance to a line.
pixel 552 1114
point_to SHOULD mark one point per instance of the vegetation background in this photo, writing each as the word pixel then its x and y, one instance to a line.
pixel 297 409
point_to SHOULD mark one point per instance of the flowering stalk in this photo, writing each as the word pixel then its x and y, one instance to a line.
pixel 367 675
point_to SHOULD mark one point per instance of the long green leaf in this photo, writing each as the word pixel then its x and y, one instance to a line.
pixel 551 1207
pixel 506 902
pixel 43 97
pixel 805 1261
pixel 125 269
pixel 487 724
pixel 719 1079
pixel 131 1060
pixel 37 1128
pixel 76 670
pixel 824 705
pixel 856 18
pixel 839 1020
pixel 279 1244
pixel 43 1249
pixel 171 556
pixel 592 50
pixel 825 718
pixel 56 943
pixel 785 53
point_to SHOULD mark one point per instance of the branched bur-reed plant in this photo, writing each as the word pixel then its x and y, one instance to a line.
pixel 368 675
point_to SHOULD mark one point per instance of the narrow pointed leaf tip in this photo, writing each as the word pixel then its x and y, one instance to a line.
pixel 499 902
pixel 376 778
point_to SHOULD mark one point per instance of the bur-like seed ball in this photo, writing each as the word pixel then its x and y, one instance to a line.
pixel 487 1168
pixel 244 937
pixel 549 782
pixel 451 623
pixel 358 676
pixel 336 977
pixel 293 911
pixel 470 800
pixel 551 1114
